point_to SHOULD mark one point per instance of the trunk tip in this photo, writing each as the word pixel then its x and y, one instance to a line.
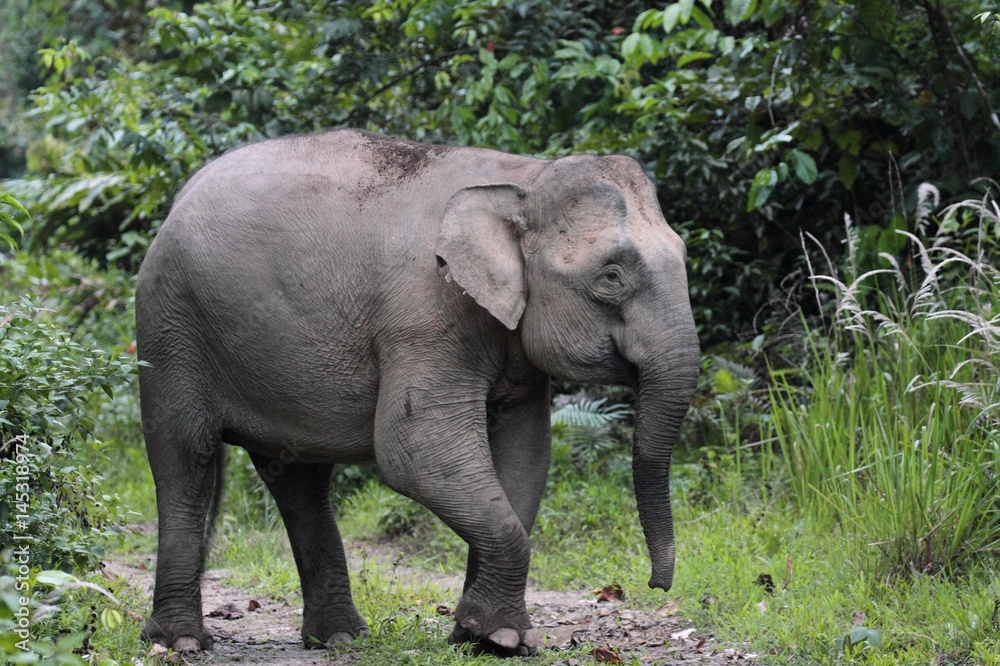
pixel 662 582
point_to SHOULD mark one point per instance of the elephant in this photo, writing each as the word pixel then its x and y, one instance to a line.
pixel 348 297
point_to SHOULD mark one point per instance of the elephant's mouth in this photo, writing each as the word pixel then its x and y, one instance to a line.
pixel 625 372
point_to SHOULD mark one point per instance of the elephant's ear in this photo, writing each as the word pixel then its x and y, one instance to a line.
pixel 480 243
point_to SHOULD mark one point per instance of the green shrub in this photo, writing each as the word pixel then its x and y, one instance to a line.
pixel 48 382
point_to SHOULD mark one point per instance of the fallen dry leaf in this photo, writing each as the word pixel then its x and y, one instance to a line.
pixel 680 635
pixel 762 606
pixel 858 619
pixel 701 643
pixel 253 605
pixel 669 608
pixel 609 593
pixel 606 655
pixel 227 612
pixel 443 610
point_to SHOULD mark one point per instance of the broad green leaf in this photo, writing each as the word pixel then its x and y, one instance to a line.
pixel 702 19
pixel 630 44
pixel 651 18
pixel 685 10
pixel 805 167
pixel 692 57
pixel 55 577
pixel 670 17
pixel 760 190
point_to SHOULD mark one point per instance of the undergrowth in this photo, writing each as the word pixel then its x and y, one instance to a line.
pixel 892 430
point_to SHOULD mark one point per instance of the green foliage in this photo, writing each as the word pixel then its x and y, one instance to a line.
pixel 590 434
pixel 858 639
pixel 753 118
pixel 29 617
pixel 49 496
pixel 9 221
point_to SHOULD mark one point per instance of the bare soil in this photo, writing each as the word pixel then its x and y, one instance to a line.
pixel 269 634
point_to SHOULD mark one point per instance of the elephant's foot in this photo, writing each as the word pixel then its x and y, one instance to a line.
pixel 505 633
pixel 335 627
pixel 180 637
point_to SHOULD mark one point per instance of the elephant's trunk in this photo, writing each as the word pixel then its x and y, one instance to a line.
pixel 665 388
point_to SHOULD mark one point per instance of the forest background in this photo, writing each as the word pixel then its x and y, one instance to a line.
pixel 830 165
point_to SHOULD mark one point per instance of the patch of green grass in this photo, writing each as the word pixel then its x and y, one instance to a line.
pixel 724 555
pixel 257 561
pixel 376 513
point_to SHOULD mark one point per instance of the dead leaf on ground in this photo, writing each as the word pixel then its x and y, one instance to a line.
pixel 609 593
pixel 253 605
pixel 858 619
pixel 680 635
pixel 443 610
pixel 762 606
pixel 701 643
pixel 672 607
pixel 606 655
pixel 227 612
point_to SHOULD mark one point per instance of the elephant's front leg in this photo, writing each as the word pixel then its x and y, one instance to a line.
pixel 520 443
pixel 431 445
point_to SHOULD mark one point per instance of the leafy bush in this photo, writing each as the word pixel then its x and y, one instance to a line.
pixel 47 494
pixel 895 436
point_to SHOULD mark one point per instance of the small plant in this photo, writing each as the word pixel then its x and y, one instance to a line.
pixel 592 430
pixel 857 640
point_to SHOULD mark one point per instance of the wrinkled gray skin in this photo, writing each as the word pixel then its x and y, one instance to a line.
pixel 348 297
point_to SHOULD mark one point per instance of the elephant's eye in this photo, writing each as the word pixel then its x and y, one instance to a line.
pixel 611 284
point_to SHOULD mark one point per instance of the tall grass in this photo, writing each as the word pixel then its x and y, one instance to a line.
pixel 893 433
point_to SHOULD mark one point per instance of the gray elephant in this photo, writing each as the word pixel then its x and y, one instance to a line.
pixel 348 297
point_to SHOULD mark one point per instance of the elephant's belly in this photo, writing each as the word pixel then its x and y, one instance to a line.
pixel 318 413
pixel 303 436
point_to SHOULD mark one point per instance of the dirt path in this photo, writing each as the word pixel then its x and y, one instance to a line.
pixel 269 635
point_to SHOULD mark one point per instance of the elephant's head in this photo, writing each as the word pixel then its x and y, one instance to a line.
pixel 584 266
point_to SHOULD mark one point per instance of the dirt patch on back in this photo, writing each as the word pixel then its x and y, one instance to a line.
pixel 395 161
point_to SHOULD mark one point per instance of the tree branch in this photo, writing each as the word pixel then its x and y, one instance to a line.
pixel 968 65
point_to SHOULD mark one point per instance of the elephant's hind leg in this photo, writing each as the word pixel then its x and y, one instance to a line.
pixel 184 455
pixel 302 493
